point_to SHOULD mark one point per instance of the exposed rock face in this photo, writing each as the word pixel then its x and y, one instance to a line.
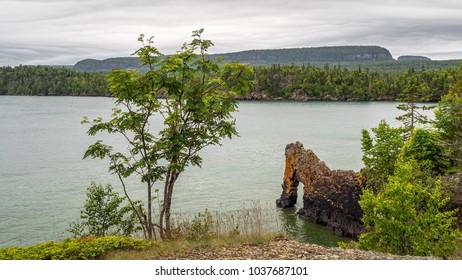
pixel 330 197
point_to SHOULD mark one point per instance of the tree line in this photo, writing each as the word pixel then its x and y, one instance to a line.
pixel 314 83
pixel 288 82
pixel 47 80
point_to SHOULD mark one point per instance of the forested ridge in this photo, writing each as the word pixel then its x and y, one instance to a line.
pixel 47 80
pixel 306 55
pixel 291 82
pixel 267 57
pixel 375 58
pixel 382 66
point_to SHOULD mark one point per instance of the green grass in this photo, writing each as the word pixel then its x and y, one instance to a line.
pixel 161 250
pixel 206 230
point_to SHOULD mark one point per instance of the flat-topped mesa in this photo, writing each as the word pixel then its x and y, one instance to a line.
pixel 330 197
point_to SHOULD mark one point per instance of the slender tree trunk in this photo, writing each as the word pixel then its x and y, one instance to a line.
pixel 149 225
pixel 165 214
pixel 138 215
pixel 412 117
pixel 168 225
pixel 162 211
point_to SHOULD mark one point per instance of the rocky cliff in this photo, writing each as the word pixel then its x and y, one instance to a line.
pixel 330 197
pixel 311 54
pixel 333 54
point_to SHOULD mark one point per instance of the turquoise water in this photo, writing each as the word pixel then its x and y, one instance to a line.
pixel 43 177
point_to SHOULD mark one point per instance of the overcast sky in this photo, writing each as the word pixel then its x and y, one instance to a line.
pixel 66 31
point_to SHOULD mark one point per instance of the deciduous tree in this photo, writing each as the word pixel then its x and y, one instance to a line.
pixel 198 99
pixel 380 152
pixel 448 120
pixel 407 216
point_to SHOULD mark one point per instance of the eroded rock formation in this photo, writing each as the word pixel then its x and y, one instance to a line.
pixel 330 197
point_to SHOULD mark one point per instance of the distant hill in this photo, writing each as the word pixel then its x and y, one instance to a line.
pixel 413 58
pixel 374 58
pixel 307 55
pixel 106 65
pixel 261 57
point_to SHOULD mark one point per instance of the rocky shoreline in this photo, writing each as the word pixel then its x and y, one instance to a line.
pixel 300 96
pixel 280 248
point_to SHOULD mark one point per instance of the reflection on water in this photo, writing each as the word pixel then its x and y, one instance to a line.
pixel 306 231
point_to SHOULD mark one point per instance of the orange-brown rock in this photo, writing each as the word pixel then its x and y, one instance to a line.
pixel 330 197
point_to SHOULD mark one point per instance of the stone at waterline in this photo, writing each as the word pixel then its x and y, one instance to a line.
pixel 330 197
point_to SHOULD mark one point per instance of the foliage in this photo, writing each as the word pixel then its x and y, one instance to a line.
pixel 407 216
pixel 73 249
pixel 448 120
pixel 199 99
pixel 104 214
pixel 412 94
pixel 314 83
pixel 45 80
pixel 348 245
pixel 424 148
pixel 178 247
pixel 380 152
pixel 199 228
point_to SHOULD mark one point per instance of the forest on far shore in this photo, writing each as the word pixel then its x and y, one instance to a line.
pixel 286 82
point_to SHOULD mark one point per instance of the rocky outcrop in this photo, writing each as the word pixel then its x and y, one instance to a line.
pixel 330 197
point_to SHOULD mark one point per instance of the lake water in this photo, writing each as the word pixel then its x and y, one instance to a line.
pixel 43 177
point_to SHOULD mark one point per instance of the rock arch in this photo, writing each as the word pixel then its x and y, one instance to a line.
pixel 330 197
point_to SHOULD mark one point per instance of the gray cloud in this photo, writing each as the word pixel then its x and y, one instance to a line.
pixel 65 31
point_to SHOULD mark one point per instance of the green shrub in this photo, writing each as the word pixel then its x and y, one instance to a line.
pixel 104 214
pixel 201 227
pixel 73 249
pixel 380 153
pixel 407 216
pixel 425 148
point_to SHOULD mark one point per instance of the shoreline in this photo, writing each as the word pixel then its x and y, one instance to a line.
pixel 251 99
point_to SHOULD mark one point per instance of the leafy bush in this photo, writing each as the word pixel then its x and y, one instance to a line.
pixel 103 214
pixel 201 227
pixel 380 152
pixel 424 147
pixel 73 249
pixel 448 121
pixel 407 216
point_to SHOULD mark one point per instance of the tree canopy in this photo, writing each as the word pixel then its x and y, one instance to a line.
pixel 46 80
pixel 293 82
pixel 408 216
pixel 198 97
